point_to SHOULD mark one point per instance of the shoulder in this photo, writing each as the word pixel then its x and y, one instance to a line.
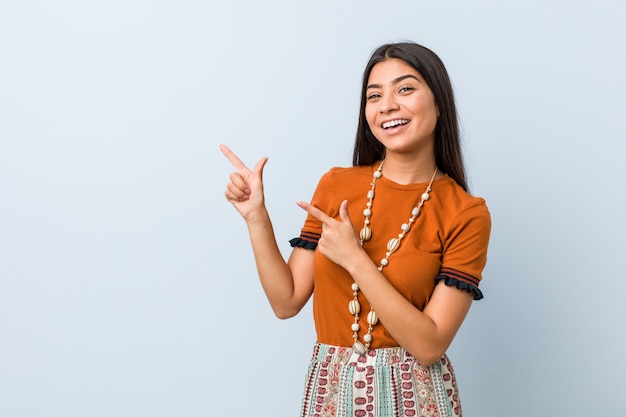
pixel 457 209
pixel 348 172
pixel 345 176
pixel 339 184
pixel 456 199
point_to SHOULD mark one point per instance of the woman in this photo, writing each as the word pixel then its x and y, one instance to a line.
pixel 392 249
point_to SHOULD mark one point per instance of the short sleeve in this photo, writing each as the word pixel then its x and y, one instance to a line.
pixel 465 249
pixel 312 229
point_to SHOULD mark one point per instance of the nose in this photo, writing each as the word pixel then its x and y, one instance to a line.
pixel 388 103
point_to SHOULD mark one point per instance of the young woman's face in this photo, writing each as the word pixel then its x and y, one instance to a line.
pixel 400 108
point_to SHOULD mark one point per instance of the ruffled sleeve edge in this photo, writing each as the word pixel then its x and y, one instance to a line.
pixel 453 282
pixel 299 242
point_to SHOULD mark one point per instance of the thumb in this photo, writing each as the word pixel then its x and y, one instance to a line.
pixel 343 212
pixel 258 168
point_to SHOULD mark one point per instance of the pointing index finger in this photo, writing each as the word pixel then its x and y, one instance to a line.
pixel 234 160
pixel 315 212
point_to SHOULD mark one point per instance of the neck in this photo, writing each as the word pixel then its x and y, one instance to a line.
pixel 409 170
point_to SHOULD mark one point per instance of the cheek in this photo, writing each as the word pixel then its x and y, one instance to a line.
pixel 370 116
pixel 427 108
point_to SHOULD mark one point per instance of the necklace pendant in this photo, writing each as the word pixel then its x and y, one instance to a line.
pixel 359 348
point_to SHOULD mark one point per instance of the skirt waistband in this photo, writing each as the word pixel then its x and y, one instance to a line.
pixel 374 357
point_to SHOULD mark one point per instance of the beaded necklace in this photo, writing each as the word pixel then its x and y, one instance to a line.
pixel 393 245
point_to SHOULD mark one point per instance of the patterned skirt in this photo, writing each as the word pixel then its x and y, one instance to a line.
pixel 386 382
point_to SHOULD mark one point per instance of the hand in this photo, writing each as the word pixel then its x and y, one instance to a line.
pixel 245 189
pixel 339 241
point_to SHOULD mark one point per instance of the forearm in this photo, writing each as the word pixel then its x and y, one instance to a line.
pixel 274 273
pixel 426 336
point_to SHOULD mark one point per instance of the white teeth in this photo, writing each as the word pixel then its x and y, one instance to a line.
pixel 393 123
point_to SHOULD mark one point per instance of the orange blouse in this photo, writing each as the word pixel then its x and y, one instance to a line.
pixel 448 241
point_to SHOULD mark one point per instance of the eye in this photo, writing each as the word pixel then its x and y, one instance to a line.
pixel 406 89
pixel 373 96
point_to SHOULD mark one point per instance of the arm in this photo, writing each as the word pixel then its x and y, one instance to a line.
pixel 425 334
pixel 287 286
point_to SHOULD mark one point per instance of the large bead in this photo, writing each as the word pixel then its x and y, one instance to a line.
pixel 356 327
pixel 425 196
pixel 367 212
pixel 359 348
pixel 393 245
pixel 367 338
pixel 415 212
pixel 354 307
pixel 372 318
pixel 366 234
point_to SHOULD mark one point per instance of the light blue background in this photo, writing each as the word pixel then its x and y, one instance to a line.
pixel 127 285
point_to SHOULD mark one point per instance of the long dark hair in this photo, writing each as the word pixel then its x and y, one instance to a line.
pixel 448 156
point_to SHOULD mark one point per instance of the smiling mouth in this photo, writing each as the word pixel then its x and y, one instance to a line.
pixel 394 123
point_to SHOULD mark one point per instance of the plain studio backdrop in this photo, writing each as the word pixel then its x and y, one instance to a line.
pixel 127 284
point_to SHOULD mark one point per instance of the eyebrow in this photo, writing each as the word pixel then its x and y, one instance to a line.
pixel 396 81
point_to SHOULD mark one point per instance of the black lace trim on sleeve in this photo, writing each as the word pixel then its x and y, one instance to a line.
pixel 452 282
pixel 298 242
pixel 459 280
pixel 307 240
